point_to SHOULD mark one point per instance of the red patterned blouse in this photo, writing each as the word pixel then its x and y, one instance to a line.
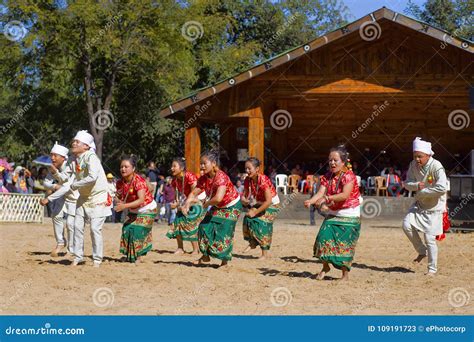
pixel 210 186
pixel 189 179
pixel 329 181
pixel 257 189
pixel 138 183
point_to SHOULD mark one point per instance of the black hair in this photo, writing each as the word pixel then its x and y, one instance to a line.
pixel 254 161
pixel 181 162
pixel 132 159
pixel 341 149
pixel 212 155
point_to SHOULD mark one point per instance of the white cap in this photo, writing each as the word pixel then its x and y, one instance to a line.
pixel 422 146
pixel 85 138
pixel 59 149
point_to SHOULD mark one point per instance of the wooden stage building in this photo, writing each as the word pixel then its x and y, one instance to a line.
pixel 376 83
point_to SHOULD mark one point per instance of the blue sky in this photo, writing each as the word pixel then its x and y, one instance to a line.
pixel 359 8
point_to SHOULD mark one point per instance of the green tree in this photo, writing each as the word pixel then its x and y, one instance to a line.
pixel 81 51
pixel 78 59
pixel 456 17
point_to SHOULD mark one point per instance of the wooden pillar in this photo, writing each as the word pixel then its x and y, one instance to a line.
pixel 257 135
pixel 192 145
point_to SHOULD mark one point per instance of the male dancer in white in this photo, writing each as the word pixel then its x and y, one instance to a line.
pixel 92 205
pixel 63 200
pixel 427 177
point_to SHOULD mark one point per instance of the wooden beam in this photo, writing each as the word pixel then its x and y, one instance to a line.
pixel 257 136
pixel 192 145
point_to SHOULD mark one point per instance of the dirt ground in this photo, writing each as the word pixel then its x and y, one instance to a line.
pixel 383 279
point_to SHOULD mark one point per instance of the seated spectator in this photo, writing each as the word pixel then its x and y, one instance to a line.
pixel 302 182
pixel 234 175
pixel 239 186
pixel 272 174
pixel 3 188
pixel 20 180
pixel 283 169
pixel 296 172
pixel 394 184
pixel 355 168
pixel 30 182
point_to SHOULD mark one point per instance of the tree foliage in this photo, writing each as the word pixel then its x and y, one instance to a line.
pixel 81 63
pixel 454 16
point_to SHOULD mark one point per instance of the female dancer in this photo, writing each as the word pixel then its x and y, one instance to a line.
pixel 216 231
pixel 185 228
pixel 338 196
pixel 262 199
pixel 133 194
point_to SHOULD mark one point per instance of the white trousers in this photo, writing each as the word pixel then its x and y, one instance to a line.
pixel 62 236
pixel 96 236
pixel 431 248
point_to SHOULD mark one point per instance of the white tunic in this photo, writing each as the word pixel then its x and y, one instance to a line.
pixel 426 214
pixel 64 195
pixel 91 183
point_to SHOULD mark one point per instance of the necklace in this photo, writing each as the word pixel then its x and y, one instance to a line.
pixel 208 197
pixel 126 193
pixel 252 198
pixel 180 195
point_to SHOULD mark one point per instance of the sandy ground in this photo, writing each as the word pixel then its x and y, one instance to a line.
pixel 383 279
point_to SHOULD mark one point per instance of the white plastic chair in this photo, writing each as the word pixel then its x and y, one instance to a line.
pixel 281 182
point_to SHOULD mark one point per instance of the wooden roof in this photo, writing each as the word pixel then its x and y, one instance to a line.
pixel 290 55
